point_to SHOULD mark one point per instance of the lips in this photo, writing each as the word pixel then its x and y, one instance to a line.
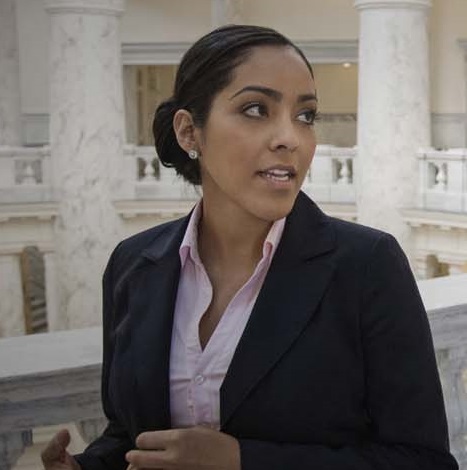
pixel 279 173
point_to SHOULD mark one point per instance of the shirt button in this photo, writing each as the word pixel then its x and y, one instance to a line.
pixel 199 379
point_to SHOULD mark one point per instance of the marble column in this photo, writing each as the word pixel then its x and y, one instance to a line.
pixel 393 110
pixel 86 137
pixel 226 12
pixel 10 109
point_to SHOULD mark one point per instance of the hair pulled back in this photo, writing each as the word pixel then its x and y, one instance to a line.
pixel 206 69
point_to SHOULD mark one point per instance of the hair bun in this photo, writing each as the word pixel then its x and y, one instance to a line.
pixel 168 150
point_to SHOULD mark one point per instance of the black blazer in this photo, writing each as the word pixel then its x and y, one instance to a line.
pixel 335 369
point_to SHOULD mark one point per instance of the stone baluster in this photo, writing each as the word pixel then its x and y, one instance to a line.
pixel 393 110
pixel 344 171
pixel 441 178
pixel 86 138
pixel 28 176
pixel 149 172
pixel 12 446
pixel 10 106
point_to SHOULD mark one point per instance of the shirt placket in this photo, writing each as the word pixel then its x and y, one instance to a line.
pixel 198 405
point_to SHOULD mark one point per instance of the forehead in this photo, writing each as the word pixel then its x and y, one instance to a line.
pixel 278 67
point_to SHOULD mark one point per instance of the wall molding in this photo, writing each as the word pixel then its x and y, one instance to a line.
pixel 168 53
pixel 337 117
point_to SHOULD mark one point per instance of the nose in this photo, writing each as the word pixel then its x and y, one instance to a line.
pixel 285 135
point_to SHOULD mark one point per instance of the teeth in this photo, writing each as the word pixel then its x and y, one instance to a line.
pixel 278 175
pixel 279 172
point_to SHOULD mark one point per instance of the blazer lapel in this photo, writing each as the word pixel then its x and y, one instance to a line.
pixel 292 290
pixel 152 294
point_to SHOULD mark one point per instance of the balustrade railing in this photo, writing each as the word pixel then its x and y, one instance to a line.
pixel 54 378
pixel 331 175
pixel 26 176
pixel 443 180
pixel 152 180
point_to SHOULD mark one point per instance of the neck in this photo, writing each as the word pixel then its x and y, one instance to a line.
pixel 229 236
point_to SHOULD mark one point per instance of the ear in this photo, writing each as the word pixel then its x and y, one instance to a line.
pixel 185 130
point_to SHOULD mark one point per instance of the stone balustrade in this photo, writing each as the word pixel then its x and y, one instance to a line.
pixel 47 379
pixel 443 180
pixel 54 378
pixel 26 176
pixel 331 175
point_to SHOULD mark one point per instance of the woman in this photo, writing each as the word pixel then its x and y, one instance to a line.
pixel 258 333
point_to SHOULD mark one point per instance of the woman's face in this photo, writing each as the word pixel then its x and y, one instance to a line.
pixel 259 140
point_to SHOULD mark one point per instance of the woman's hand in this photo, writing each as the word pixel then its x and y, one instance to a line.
pixel 55 455
pixel 198 448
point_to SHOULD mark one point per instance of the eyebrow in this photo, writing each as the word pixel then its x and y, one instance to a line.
pixel 274 94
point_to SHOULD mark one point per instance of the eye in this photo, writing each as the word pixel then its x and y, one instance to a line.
pixel 254 110
pixel 308 116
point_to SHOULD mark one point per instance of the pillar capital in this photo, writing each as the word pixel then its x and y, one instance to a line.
pixel 380 4
pixel 93 7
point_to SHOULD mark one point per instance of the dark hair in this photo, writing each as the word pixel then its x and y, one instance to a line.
pixel 207 68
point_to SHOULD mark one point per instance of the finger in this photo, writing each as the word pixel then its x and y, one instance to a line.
pixel 157 440
pixel 55 449
pixel 154 459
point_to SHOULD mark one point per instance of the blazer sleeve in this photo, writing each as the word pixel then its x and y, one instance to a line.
pixel 404 400
pixel 108 451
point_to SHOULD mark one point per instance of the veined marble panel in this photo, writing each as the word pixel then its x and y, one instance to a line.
pixel 11 295
pixel 10 114
pixel 87 138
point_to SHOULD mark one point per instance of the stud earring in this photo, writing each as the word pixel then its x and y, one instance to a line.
pixel 193 154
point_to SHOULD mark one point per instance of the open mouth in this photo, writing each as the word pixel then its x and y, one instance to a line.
pixel 281 176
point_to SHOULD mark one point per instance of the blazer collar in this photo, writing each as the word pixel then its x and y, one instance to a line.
pixel 296 281
pixel 169 240
pixel 152 291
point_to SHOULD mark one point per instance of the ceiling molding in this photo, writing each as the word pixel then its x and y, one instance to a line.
pixel 392 4
pixel 156 53
pixel 330 52
pixel 153 53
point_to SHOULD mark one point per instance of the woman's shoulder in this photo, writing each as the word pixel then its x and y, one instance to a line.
pixel 345 232
pixel 149 241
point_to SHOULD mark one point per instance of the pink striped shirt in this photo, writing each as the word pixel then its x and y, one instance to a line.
pixel 196 375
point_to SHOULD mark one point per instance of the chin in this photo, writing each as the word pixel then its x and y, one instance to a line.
pixel 275 210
